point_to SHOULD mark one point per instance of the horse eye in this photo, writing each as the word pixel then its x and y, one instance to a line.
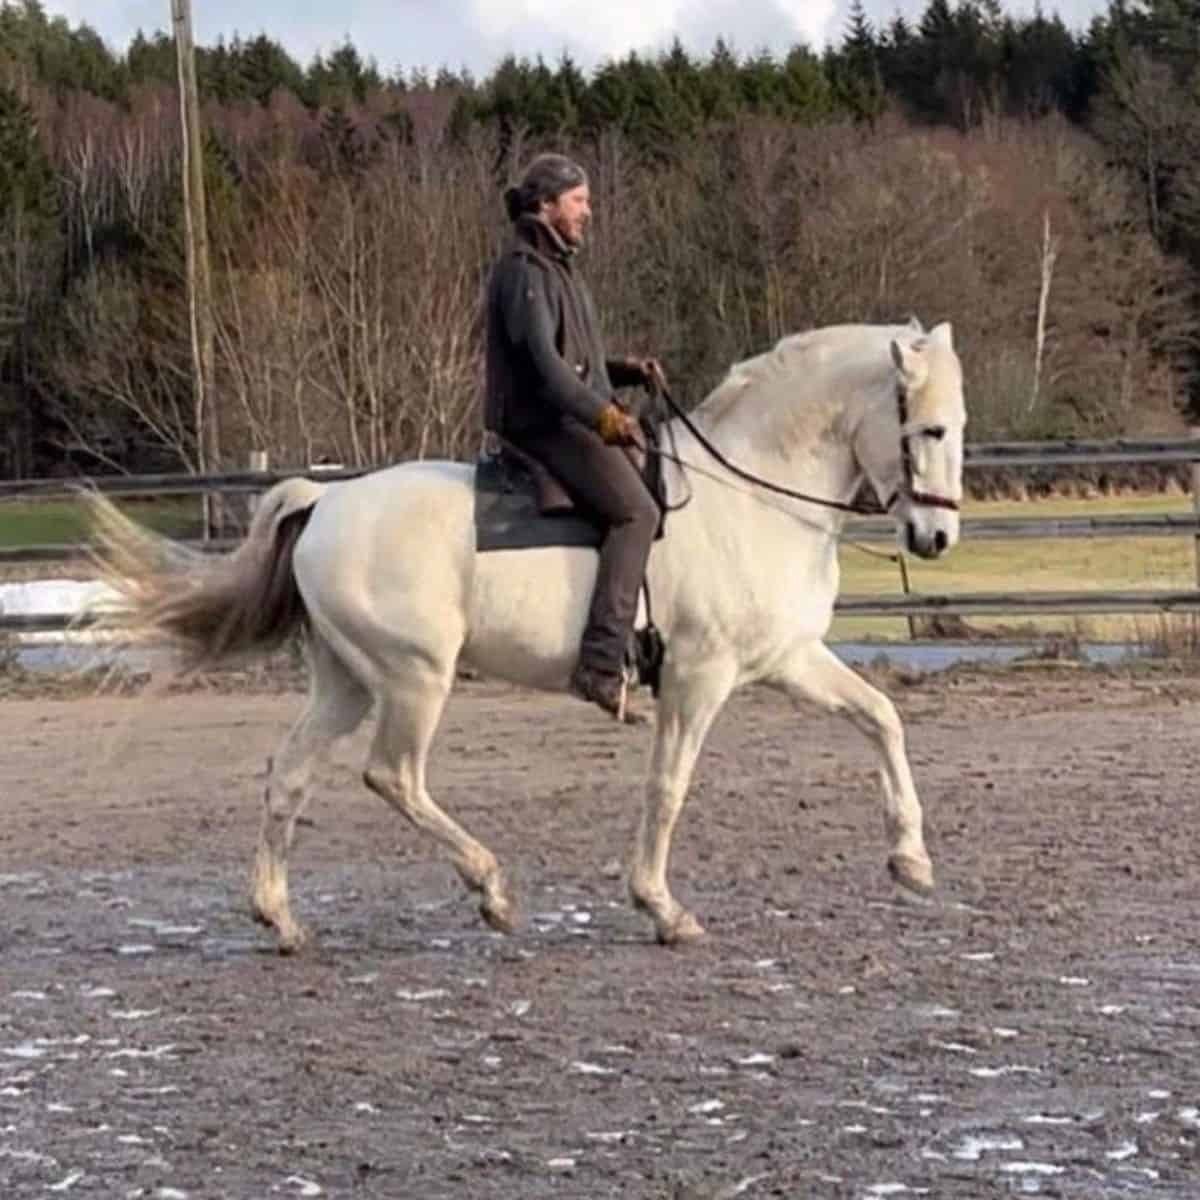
pixel 937 432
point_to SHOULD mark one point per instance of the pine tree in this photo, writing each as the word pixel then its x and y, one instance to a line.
pixel 28 192
pixel 858 78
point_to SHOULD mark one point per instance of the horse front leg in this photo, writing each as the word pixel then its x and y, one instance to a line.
pixel 688 703
pixel 813 672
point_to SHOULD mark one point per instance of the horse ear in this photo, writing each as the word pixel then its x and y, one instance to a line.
pixel 943 335
pixel 914 323
pixel 910 364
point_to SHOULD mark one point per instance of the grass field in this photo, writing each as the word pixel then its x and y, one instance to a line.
pixel 1061 564
pixel 1049 565
pixel 50 522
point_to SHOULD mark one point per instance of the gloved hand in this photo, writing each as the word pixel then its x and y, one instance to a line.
pixel 649 372
pixel 616 426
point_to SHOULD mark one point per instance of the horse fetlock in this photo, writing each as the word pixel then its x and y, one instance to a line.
pixel 645 897
pixel 382 781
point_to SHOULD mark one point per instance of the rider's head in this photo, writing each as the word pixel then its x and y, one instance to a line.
pixel 554 188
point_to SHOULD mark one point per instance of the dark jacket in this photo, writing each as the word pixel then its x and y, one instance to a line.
pixel 545 353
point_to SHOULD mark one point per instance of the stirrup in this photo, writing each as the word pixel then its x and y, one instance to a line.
pixel 644 658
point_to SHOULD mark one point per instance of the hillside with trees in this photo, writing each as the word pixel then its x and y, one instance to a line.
pixel 1036 186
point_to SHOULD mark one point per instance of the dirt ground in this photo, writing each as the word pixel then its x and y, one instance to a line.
pixel 1032 1030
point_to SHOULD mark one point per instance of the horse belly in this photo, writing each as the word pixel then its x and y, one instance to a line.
pixel 527 613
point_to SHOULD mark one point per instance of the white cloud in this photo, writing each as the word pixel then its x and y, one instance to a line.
pixel 612 27
pixel 478 33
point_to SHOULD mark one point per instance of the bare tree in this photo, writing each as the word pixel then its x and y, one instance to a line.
pixel 1047 258
pixel 85 165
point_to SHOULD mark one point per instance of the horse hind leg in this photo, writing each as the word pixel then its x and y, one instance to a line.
pixel 337 703
pixel 408 719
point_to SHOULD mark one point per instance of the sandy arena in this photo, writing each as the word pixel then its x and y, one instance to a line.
pixel 1032 1030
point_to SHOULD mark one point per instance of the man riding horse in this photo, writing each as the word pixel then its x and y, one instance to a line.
pixel 550 393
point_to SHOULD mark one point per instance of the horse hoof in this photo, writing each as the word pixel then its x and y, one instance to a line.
pixel 682 930
pixel 502 917
pixel 293 941
pixel 915 874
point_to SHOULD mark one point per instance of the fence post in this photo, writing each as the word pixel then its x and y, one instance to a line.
pixel 904 583
pixel 258 462
pixel 1195 465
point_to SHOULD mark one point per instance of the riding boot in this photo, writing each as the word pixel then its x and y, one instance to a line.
pixel 606 690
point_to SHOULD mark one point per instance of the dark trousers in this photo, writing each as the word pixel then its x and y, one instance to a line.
pixel 605 485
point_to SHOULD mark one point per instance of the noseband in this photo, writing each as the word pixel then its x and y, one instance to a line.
pixel 908 472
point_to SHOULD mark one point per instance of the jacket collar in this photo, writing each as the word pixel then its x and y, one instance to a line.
pixel 542 238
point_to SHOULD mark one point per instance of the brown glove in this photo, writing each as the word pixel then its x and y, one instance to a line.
pixel 616 426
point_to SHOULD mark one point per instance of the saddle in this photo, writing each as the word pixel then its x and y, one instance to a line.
pixel 520 505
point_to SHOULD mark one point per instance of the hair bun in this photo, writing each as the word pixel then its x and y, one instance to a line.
pixel 513 202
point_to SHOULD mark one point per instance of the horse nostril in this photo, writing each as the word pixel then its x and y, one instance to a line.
pixel 940 541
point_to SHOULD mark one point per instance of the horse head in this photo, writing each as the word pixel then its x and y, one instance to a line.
pixel 913 457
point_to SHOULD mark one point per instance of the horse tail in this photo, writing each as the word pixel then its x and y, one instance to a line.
pixel 212 608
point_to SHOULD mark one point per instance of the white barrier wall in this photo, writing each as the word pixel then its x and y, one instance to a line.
pixel 52 596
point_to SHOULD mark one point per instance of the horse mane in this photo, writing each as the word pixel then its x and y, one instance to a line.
pixel 800 385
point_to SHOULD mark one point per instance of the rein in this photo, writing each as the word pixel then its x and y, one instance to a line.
pixel 905 489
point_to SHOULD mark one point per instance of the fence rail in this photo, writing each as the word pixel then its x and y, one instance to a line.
pixel 912 604
pixel 977 456
pixel 872 530
pixel 1020 456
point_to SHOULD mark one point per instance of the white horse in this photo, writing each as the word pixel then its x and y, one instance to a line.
pixel 383 570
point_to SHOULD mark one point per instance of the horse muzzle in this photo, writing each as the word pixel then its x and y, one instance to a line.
pixel 929 541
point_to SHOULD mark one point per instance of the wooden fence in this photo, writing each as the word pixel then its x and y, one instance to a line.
pixel 1020 457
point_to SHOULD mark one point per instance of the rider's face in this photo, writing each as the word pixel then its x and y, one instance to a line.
pixel 570 214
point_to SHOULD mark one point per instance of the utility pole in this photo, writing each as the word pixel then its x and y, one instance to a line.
pixel 199 278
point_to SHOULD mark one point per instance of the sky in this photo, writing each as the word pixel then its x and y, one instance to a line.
pixel 476 34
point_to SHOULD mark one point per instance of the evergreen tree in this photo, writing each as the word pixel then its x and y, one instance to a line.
pixel 153 60
pixel 28 192
pixel 609 100
pixel 341 79
pixel 1043 68
pixel 263 67
pixel 805 91
pixel 857 75
pixel 719 84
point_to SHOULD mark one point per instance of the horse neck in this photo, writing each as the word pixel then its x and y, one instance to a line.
pixel 821 465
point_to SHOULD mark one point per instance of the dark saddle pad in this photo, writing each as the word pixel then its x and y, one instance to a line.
pixel 509 516
pixel 519 506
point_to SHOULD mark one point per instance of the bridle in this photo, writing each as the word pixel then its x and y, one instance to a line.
pixel 905 490
pixel 909 474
